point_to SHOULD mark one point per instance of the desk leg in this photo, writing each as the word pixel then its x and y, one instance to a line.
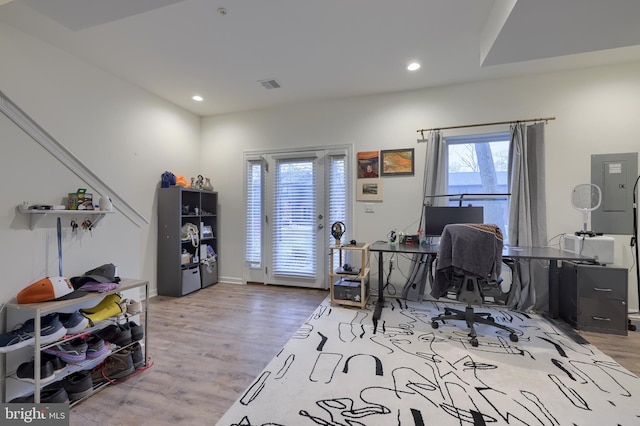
pixel 554 289
pixel 380 303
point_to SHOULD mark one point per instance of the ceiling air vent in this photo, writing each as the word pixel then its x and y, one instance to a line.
pixel 269 84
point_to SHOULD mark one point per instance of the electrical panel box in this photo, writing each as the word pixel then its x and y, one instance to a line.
pixel 615 174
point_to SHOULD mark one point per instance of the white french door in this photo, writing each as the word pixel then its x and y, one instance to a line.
pixel 287 198
pixel 295 224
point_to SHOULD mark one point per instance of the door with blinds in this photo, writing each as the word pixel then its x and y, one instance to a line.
pixel 291 198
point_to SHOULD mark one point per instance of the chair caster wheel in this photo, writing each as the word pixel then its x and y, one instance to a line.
pixel 513 337
pixel 474 343
pixel 434 324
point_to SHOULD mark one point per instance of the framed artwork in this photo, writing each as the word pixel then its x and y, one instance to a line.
pixel 369 189
pixel 397 162
pixel 368 164
pixel 207 232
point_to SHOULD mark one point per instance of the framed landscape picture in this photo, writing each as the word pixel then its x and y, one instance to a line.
pixel 397 162
pixel 369 189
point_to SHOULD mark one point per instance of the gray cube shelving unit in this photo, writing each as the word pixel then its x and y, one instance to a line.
pixel 178 206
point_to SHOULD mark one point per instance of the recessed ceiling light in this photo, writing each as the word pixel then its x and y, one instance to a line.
pixel 197 98
pixel 413 66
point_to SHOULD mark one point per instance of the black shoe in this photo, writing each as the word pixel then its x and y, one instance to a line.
pixel 138 355
pixel 54 396
pixel 26 371
pixel 115 334
pixel 78 385
pixel 56 361
pixel 108 333
pixel 123 338
pixel 47 396
pixel 137 331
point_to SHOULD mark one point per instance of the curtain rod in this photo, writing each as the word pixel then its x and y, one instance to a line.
pixel 545 119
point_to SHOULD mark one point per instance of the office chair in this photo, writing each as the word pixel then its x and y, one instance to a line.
pixel 468 264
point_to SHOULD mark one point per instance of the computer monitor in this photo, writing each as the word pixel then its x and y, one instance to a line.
pixel 436 218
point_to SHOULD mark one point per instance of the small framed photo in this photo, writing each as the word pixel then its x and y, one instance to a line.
pixel 397 162
pixel 207 232
pixel 369 189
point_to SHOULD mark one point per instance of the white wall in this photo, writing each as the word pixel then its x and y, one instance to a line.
pixel 596 112
pixel 126 136
pixel 129 137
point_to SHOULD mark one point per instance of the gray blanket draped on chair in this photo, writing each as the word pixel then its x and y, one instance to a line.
pixel 474 249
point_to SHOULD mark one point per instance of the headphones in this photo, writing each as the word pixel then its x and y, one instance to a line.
pixel 337 230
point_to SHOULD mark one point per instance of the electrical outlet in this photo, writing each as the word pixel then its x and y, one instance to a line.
pixel 368 207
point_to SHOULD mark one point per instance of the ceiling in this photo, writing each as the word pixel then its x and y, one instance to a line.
pixel 325 49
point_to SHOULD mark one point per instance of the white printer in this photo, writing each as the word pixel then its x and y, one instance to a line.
pixel 599 247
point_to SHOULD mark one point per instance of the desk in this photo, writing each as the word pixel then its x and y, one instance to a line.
pixel 552 254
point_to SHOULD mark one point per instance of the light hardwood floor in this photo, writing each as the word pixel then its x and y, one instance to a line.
pixel 207 347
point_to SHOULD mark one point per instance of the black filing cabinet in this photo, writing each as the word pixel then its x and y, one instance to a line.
pixel 594 297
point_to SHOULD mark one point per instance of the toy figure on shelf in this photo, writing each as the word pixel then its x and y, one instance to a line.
pixel 200 182
pixel 207 184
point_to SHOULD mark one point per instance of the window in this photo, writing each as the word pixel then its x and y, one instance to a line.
pixel 337 201
pixel 294 218
pixel 478 164
pixel 254 186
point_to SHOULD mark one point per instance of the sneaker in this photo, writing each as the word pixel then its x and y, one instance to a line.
pixel 106 302
pixel 47 396
pixel 116 334
pixel 137 331
pixel 58 364
pixel 117 366
pixel 15 339
pixel 77 385
pixel 134 307
pixel 72 351
pixel 95 347
pixel 73 322
pixel 26 371
pixel 123 337
pixel 137 355
pixel 108 333
pixel 51 329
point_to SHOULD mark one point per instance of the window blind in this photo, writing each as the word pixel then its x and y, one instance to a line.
pixel 337 197
pixel 294 218
pixel 253 240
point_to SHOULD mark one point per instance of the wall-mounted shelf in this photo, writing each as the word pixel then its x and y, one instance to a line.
pixel 37 215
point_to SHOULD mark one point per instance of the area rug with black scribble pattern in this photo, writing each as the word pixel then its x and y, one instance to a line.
pixel 338 369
